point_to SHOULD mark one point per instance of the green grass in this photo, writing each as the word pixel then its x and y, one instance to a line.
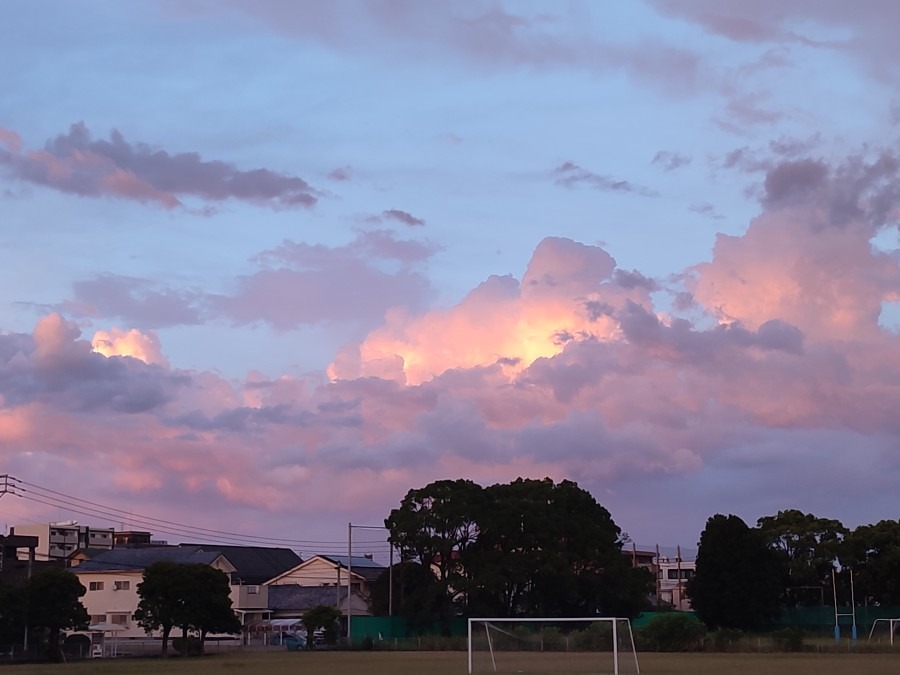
pixel 454 663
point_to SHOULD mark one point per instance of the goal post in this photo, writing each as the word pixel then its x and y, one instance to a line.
pixel 552 644
pixel 891 625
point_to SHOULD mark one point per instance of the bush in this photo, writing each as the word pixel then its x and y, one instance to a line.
pixel 673 633
pixel 727 640
pixel 596 637
pixel 77 644
pixel 552 640
pixel 193 646
pixel 789 639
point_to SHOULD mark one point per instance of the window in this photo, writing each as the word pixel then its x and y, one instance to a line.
pixel 121 585
pixel 252 590
pixel 119 619
pixel 98 618
pixel 95 586
pixel 685 574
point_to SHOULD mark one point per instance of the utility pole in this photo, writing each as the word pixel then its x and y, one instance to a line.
pixel 350 527
pixel 349 582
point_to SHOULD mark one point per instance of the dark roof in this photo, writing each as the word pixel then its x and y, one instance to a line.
pixel 367 568
pixel 254 564
pixel 294 598
pixel 141 558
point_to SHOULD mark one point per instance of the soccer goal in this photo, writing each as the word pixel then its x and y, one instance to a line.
pixel 598 645
pixel 889 625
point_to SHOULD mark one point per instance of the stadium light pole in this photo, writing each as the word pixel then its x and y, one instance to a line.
pixel 350 528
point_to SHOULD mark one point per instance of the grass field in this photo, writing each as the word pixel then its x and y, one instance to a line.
pixel 454 663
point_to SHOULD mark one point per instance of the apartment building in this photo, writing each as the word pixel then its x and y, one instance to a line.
pixel 57 541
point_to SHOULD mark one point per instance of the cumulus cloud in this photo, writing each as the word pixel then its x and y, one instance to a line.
pixel 56 367
pixel 566 370
pixel 502 320
pixel 353 284
pixel 78 164
pixel 117 342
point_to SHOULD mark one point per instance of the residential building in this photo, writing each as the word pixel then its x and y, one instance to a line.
pixel 124 538
pixel 331 570
pixel 57 541
pixel 13 569
pixel 673 576
pixel 111 579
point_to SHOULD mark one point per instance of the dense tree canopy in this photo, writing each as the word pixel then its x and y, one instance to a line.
pixel 53 602
pixel 549 549
pixel 418 596
pixel 434 526
pixel 808 547
pixel 873 552
pixel 186 595
pixel 737 583
pixel 530 547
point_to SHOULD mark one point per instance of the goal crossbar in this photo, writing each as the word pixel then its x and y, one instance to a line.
pixel 891 627
pixel 490 622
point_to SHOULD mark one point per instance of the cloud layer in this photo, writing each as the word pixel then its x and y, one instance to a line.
pixel 571 370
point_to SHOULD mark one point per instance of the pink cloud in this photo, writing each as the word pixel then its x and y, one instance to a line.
pixel 76 163
pixel 353 284
pixel 117 342
pixel 568 370
pixel 501 321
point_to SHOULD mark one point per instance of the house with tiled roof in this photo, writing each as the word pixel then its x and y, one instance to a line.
pixel 111 579
pixel 332 570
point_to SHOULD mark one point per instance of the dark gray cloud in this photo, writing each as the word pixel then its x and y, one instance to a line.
pixel 571 175
pixel 670 161
pixel 142 303
pixel 72 377
pixel 79 164
pixel 402 217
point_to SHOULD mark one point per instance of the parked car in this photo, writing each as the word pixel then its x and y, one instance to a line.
pixel 295 642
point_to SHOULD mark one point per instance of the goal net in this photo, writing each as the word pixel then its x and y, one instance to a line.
pixel 552 645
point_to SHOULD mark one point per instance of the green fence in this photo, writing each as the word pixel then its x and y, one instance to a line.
pixel 386 628
pixel 819 619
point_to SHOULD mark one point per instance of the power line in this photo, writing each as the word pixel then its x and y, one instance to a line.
pixel 55 499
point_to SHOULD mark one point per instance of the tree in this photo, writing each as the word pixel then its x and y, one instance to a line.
pixel 208 602
pixel 161 605
pixel 417 594
pixel 321 616
pixel 737 583
pixel 808 547
pixel 550 549
pixel 434 526
pixel 873 552
pixel 192 596
pixel 12 614
pixel 53 601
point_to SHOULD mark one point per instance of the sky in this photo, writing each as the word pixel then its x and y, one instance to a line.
pixel 267 266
